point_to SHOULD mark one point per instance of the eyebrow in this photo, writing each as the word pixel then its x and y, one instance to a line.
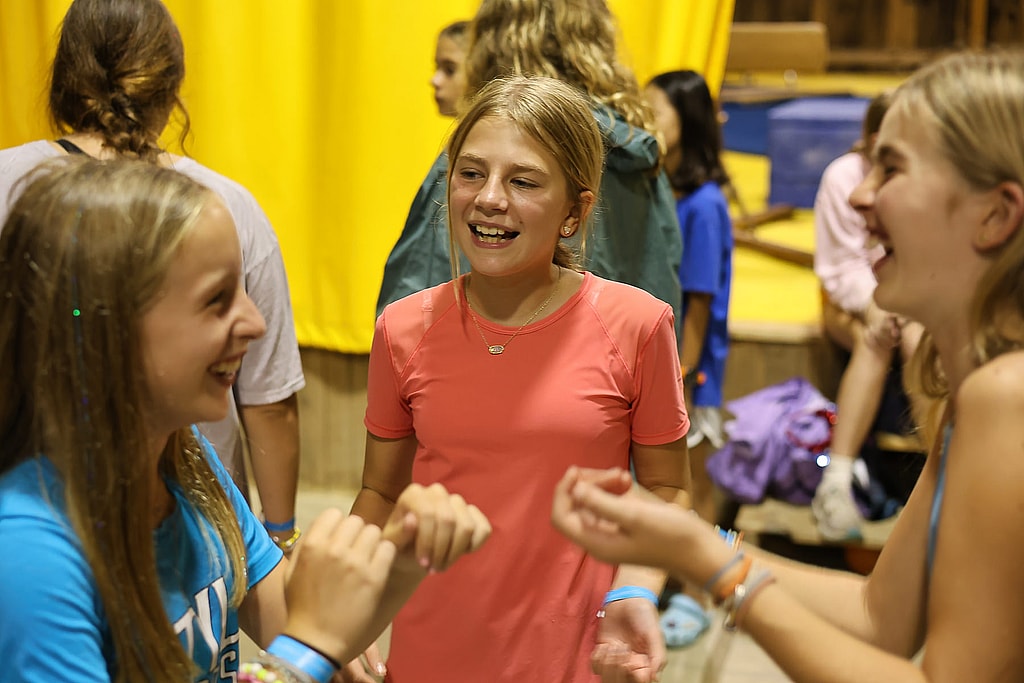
pixel 516 168
pixel 886 151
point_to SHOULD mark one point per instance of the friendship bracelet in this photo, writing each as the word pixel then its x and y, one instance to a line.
pixel 304 658
pixel 279 528
pixel 709 585
pixel 719 595
pixel 743 596
pixel 626 592
pixel 732 538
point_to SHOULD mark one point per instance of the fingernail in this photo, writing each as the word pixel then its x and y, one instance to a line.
pixel 381 669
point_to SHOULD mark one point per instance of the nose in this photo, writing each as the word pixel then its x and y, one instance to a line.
pixel 492 196
pixel 862 198
pixel 435 80
pixel 250 324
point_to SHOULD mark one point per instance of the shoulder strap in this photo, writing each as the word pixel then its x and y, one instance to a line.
pixel 70 147
pixel 940 488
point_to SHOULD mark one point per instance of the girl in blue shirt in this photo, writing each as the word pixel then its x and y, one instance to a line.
pixel 131 554
pixel 687 119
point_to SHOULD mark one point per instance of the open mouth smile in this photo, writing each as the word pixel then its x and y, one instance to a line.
pixel 492 235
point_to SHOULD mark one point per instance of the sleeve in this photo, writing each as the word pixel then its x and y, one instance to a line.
pixel 841 261
pixel 420 258
pixel 702 230
pixel 272 368
pixel 659 412
pixel 388 414
pixel 50 623
pixel 262 554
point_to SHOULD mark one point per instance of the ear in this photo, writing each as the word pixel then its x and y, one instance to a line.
pixel 1005 213
pixel 579 212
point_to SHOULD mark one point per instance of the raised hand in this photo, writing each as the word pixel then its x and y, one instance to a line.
pixel 619 523
pixel 335 582
pixel 435 527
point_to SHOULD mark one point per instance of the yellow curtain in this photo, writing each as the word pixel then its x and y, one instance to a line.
pixel 323 110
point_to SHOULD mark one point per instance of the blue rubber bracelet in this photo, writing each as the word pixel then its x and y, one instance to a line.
pixel 625 592
pixel 284 526
pixel 303 657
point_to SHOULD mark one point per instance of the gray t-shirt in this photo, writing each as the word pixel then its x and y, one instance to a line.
pixel 271 370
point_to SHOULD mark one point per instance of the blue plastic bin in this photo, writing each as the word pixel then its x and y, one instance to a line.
pixel 804 136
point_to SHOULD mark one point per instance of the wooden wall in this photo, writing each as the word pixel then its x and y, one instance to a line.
pixel 896 33
pixel 331 411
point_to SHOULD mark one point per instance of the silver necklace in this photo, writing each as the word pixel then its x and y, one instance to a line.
pixel 498 349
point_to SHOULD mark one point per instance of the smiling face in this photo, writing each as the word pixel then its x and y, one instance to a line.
pixel 508 200
pixel 449 80
pixel 194 336
pixel 924 215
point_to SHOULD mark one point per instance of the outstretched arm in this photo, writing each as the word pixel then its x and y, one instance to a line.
pixel 808 621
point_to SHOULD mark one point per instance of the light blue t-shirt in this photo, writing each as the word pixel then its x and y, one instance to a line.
pixel 52 623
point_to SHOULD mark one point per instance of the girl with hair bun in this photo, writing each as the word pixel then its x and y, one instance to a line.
pixel 114 85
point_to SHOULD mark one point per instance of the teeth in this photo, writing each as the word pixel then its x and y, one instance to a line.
pixel 226 368
pixel 485 230
pixel 871 242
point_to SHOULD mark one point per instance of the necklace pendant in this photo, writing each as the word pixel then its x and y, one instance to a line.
pixel 496 349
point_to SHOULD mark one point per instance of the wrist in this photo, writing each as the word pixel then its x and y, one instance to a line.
pixel 627 592
pixel 286 542
pixel 297 659
pixel 300 654
pixel 281 528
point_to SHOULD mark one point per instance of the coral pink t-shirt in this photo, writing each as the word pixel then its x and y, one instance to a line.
pixel 575 388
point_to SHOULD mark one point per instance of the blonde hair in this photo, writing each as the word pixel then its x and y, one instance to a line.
pixel 976 101
pixel 83 254
pixel 571 40
pixel 558 117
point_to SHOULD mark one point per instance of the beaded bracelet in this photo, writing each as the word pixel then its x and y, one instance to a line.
pixel 289 543
pixel 257 672
pixel 270 669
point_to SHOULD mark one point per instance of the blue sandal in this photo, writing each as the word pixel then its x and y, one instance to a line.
pixel 684 621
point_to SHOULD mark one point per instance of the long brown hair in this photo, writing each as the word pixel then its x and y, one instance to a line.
pixel 83 254
pixel 117 71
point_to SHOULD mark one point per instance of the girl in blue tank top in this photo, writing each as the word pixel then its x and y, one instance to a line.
pixel 945 201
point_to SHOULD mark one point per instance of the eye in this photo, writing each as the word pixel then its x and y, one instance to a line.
pixel 524 184
pixel 470 174
pixel 218 299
